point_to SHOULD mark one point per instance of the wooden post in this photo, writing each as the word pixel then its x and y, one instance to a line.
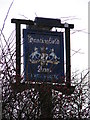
pixel 18 23
pixel 46 101
pixel 18 50
pixel 68 57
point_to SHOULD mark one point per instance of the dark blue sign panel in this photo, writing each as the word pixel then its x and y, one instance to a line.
pixel 43 55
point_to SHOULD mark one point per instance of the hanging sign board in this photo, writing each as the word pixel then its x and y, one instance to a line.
pixel 43 55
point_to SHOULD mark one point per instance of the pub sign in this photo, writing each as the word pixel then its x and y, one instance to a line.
pixel 43 55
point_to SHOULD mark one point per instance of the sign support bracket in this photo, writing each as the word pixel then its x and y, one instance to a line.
pixel 45 90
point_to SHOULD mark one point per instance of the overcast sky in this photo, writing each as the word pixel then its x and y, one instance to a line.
pixel 76 10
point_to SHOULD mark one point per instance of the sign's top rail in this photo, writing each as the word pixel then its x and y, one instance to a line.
pixel 44 22
pixel 22 21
